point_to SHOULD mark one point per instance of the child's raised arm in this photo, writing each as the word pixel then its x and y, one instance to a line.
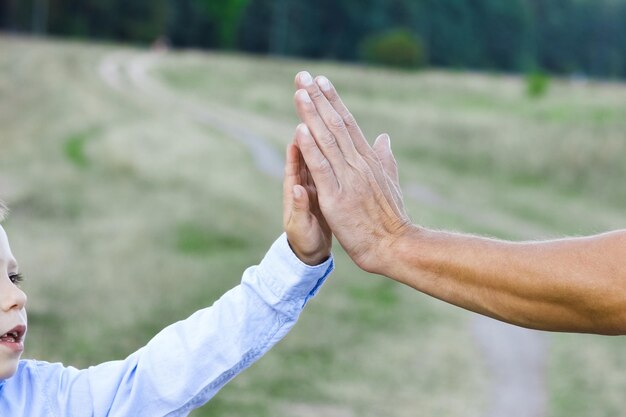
pixel 184 365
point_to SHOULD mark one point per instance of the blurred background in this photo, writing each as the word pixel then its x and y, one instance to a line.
pixel 562 36
pixel 141 151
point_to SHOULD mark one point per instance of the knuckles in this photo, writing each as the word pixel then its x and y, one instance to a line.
pixel 315 93
pixel 349 120
pixel 322 166
pixel 336 121
pixel 327 139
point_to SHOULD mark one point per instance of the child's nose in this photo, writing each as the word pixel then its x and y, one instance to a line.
pixel 11 297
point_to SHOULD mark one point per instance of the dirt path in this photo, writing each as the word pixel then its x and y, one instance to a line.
pixel 516 361
pixel 514 357
pixel 130 74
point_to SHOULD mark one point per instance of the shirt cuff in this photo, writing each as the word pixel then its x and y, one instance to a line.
pixel 287 276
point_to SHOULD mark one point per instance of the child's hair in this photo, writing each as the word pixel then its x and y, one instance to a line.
pixel 3 211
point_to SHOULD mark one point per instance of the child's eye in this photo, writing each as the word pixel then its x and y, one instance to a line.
pixel 16 278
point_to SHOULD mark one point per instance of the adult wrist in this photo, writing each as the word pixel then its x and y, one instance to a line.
pixel 401 250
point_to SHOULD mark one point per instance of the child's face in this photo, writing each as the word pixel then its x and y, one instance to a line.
pixel 12 311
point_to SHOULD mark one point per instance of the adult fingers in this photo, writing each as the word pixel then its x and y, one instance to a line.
pixel 359 140
pixel 330 93
pixel 325 139
pixel 327 119
pixel 319 167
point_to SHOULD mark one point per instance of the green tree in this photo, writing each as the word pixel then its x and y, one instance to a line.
pixel 559 36
pixel 396 48
pixel 503 32
pixel 225 15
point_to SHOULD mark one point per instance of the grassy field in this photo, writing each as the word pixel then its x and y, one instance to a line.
pixel 129 212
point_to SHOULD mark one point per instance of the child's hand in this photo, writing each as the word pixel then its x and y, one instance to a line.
pixel 307 231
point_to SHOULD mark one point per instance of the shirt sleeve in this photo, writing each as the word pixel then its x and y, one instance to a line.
pixel 186 364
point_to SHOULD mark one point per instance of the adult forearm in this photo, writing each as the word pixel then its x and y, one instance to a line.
pixel 574 285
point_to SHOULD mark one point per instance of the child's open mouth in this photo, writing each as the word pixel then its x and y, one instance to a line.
pixel 13 339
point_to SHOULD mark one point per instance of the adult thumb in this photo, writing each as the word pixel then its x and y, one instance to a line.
pixel 382 148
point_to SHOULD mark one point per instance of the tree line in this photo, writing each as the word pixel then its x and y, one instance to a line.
pixel 559 36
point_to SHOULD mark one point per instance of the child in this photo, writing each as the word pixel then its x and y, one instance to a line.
pixel 184 365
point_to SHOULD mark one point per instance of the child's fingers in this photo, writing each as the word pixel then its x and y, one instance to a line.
pixel 292 175
pixel 302 169
pixel 300 227
pixel 301 204
pixel 306 180
pixel 320 168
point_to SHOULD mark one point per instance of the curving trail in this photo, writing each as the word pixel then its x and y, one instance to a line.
pixel 514 357
pixel 516 360
pixel 129 74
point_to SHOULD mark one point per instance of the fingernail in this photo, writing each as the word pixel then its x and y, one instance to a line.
pixel 304 129
pixel 304 96
pixel 297 192
pixel 305 78
pixel 323 83
pixel 388 140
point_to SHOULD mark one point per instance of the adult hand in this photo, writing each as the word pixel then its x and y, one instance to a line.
pixel 307 231
pixel 358 187
pixel 576 284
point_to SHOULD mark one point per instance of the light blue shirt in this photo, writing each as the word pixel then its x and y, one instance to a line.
pixel 184 365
